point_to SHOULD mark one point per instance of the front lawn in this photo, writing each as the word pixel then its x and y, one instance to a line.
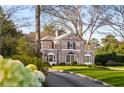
pixel 110 76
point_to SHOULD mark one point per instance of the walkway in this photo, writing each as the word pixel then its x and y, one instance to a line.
pixel 62 79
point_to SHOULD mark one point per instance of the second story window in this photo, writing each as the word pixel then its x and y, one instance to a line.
pixel 71 45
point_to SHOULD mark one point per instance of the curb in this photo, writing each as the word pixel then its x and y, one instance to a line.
pixel 84 76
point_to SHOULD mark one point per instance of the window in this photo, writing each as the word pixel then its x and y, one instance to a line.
pixel 51 57
pixel 70 58
pixel 87 59
pixel 71 45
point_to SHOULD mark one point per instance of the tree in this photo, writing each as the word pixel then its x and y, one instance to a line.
pixel 7 26
pixel 37 18
pixel 66 15
pixel 109 44
pixel 120 49
pixel 78 19
pixel 108 40
pixel 95 41
pixel 96 19
pixel 94 44
pixel 25 47
pixel 108 51
pixel 117 19
pixel 8 38
pixel 48 30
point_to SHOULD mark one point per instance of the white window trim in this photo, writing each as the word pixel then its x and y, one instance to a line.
pixel 48 49
pixel 71 50
pixel 90 60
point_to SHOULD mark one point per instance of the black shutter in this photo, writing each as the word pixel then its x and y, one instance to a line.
pixel 52 45
pixel 73 45
pixel 68 45
pixel 47 58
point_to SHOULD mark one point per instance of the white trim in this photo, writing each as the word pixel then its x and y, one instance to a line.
pixel 44 38
pixel 88 51
pixel 87 54
pixel 70 50
pixel 50 53
pixel 88 63
pixel 48 49
pixel 62 49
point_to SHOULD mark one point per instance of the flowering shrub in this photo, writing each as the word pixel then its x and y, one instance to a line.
pixel 40 76
pixel 31 67
pixel 1 57
pixel 14 74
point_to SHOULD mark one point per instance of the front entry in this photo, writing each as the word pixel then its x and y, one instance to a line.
pixel 70 58
pixel 51 58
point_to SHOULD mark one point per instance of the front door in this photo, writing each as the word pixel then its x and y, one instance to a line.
pixel 70 58
pixel 51 59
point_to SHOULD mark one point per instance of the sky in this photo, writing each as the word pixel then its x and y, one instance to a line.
pixel 29 13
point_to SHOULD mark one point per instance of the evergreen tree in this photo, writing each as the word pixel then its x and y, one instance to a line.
pixel 8 35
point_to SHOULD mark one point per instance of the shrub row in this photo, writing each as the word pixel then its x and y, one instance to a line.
pixel 111 59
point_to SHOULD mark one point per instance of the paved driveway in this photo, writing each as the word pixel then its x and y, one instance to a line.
pixel 63 79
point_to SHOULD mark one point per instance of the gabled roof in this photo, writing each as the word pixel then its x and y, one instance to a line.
pixel 32 35
pixel 48 38
pixel 63 36
pixel 56 38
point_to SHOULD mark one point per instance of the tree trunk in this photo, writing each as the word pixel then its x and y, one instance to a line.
pixel 37 18
pixel 88 42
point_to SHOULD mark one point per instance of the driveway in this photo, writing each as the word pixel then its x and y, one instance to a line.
pixel 63 79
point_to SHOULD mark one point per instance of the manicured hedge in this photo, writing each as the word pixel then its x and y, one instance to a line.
pixel 103 59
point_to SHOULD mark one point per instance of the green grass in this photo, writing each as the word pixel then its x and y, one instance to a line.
pixel 113 77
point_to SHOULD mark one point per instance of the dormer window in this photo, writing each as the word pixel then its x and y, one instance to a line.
pixel 71 45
